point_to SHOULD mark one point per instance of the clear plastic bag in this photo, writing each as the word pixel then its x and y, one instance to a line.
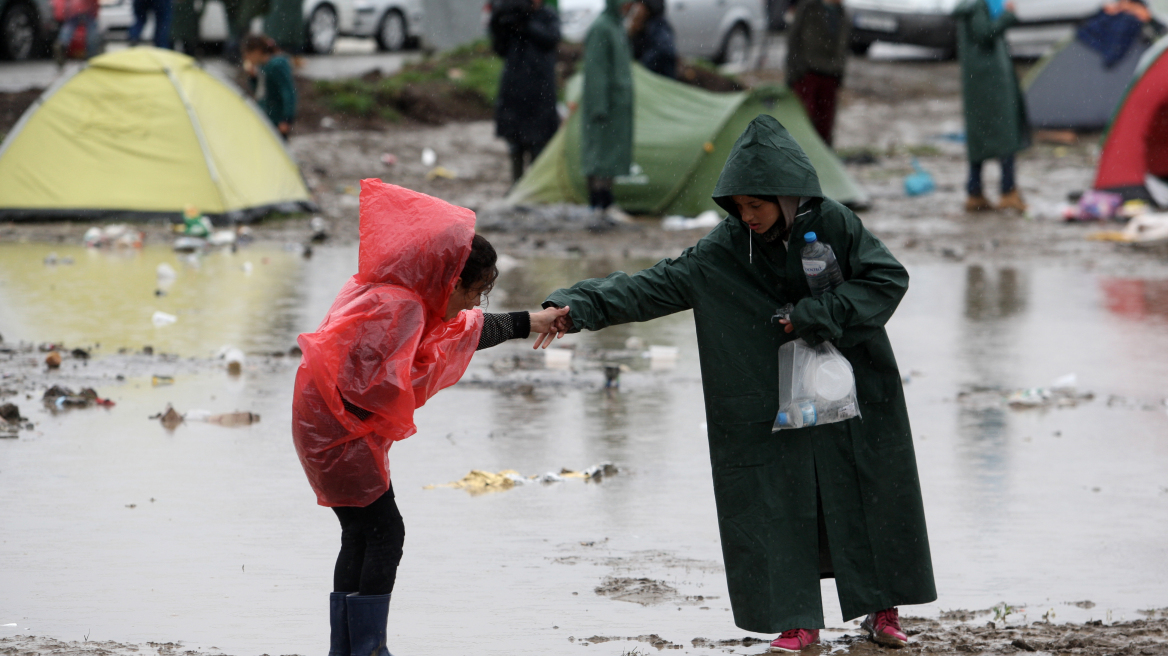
pixel 816 386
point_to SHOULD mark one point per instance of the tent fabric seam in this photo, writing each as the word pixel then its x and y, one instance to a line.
pixel 32 109
pixel 212 170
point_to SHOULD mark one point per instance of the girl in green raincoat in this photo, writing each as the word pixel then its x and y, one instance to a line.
pixel 838 500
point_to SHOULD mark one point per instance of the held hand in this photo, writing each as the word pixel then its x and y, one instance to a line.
pixel 558 323
pixel 787 327
pixel 1011 7
pixel 544 320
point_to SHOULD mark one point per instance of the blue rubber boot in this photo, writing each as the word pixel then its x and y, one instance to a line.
pixel 368 616
pixel 338 624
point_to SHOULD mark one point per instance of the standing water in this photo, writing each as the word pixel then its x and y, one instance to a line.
pixel 115 528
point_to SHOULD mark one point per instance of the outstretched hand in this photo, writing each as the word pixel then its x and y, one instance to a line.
pixel 551 323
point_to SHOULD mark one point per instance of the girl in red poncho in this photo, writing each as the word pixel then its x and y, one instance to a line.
pixel 402 328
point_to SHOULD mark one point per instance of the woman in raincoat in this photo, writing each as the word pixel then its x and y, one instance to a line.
pixel 995 109
pixel 839 500
pixel 402 328
pixel 606 105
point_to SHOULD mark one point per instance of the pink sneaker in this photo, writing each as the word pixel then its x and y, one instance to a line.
pixel 794 640
pixel 884 628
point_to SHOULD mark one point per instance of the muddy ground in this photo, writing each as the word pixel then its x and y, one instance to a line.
pixel 891 112
pixel 958 633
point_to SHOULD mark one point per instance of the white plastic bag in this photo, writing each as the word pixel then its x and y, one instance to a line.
pixel 816 386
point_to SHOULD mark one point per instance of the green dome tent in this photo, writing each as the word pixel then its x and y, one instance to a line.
pixel 682 136
pixel 145 131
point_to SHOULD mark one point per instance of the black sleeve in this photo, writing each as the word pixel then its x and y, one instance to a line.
pixel 498 328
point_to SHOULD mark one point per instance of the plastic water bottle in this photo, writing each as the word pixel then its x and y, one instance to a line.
pixel 819 265
pixel 802 413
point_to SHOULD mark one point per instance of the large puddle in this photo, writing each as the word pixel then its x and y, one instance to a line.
pixel 113 528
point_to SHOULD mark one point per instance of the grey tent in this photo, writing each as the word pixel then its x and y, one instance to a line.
pixel 1070 89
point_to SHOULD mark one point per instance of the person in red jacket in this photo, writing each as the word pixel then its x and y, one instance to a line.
pixel 403 328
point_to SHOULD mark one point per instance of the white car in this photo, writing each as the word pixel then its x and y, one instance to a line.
pixel 930 23
pixel 724 31
pixel 395 24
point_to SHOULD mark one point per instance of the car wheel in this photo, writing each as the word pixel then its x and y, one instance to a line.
pixel 860 48
pixel 18 32
pixel 321 31
pixel 735 47
pixel 391 34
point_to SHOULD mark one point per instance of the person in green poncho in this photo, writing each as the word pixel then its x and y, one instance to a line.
pixel 995 109
pixel 606 106
pixel 838 500
pixel 270 77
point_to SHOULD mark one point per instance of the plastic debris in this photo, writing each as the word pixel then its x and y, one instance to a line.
pixel 661 357
pixel 1095 206
pixel 234 358
pixel 319 229
pixel 919 182
pixel 558 358
pixel 1062 392
pixel 160 319
pixel 388 159
pixel 1147 230
pixel 118 235
pixel 58 398
pixel 479 481
pixel 429 157
pixel 169 418
pixel 441 172
pixel 222 238
pixel 328 122
pixel 161 381
pixel 706 220
pixel 194 223
pixel 189 244
pixel 165 272
pixel 53 360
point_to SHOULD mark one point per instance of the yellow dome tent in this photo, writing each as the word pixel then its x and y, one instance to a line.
pixel 145 131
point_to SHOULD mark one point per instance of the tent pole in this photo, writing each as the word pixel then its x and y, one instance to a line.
pixel 198 128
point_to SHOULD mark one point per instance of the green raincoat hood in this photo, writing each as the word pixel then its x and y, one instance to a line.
pixel 765 161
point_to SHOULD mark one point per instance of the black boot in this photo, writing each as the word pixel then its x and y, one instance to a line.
pixel 368 615
pixel 339 624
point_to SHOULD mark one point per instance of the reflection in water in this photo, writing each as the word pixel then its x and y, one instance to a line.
pixel 1136 299
pixel 992 302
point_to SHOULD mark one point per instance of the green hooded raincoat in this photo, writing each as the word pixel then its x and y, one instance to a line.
pixel 995 109
pixel 606 128
pixel 769 487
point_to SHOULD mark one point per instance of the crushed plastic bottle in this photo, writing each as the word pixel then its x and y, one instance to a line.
pixel 798 415
pixel 820 266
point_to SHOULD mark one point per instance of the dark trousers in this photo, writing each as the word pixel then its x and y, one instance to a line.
pixel 522 155
pixel 975 188
pixel 818 94
pixel 161 11
pixel 600 193
pixel 371 547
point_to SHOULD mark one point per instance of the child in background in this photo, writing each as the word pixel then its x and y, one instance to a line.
pixel 270 76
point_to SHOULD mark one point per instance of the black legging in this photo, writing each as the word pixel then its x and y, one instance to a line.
pixel 371 547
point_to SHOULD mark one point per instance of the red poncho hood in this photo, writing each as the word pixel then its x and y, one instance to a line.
pixel 384 345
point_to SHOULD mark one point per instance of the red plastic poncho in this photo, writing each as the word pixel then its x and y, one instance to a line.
pixel 384 344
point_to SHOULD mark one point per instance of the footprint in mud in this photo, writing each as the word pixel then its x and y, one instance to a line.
pixel 638 591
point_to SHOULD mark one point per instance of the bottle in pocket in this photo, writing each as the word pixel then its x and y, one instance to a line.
pixel 820 266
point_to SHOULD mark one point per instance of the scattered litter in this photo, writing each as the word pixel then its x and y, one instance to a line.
pixel 53 360
pixel 429 157
pixel 10 413
pixel 558 358
pixel 328 122
pixel 480 482
pixel 234 358
pixel 319 229
pixel 222 238
pixel 661 357
pixel 1061 393
pixel 58 397
pixel 161 319
pixel 165 272
pixel 53 260
pixel 247 268
pixel 441 172
pixel 954 137
pixel 238 418
pixel 169 418
pixel 707 219
pixel 1145 230
pixel 118 235
pixel 919 182
pixel 161 381
pixel 194 224
pixel 1095 206
pixel 189 244
pixel 388 159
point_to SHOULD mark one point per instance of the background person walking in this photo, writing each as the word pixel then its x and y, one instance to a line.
pixel 995 110
pixel 606 125
pixel 270 77
pixel 525 34
pixel 142 11
pixel 817 54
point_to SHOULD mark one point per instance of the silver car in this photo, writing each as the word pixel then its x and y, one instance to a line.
pixel 395 24
pixel 724 31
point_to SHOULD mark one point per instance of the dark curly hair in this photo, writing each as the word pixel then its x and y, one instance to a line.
pixel 480 271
